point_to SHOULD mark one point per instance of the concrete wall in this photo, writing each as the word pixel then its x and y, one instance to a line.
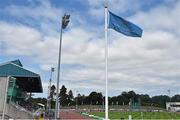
pixel 17 112
pixel 3 81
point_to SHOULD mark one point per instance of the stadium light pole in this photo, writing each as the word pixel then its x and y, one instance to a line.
pixel 64 23
pixel 102 101
pixel 169 91
pixel 49 91
pixel 77 100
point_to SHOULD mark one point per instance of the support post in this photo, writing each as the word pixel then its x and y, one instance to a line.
pixel 5 97
pixel 58 77
pixel 106 63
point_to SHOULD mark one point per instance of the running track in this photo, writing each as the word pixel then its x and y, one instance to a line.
pixel 72 115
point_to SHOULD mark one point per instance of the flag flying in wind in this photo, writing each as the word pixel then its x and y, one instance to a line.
pixel 123 26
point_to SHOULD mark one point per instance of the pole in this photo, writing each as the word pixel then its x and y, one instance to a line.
pixel 106 63
pixel 58 77
pixel 169 94
pixel 103 102
pixel 49 92
pixel 50 80
pixel 5 97
pixel 76 103
pixel 141 109
pixel 77 100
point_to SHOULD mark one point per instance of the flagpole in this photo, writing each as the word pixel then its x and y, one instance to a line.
pixel 106 62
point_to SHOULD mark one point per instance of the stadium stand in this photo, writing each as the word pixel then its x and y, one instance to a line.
pixel 16 83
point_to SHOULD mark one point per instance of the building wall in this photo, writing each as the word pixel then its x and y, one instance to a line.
pixel 173 106
pixel 3 81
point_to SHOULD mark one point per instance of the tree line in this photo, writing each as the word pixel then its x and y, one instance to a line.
pixel 67 98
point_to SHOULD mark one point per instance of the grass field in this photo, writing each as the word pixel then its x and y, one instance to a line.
pixel 137 115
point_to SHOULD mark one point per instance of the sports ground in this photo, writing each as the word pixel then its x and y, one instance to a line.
pixel 119 115
pixel 138 115
pixel 118 112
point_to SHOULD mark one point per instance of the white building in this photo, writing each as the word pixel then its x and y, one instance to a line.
pixel 173 106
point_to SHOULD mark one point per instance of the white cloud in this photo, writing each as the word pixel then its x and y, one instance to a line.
pixel 117 6
pixel 43 11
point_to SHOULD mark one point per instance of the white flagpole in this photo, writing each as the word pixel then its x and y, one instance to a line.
pixel 106 62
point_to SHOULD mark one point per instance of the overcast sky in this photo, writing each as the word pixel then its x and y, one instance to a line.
pixel 29 31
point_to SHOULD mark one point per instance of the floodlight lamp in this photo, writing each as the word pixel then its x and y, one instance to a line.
pixel 67 16
pixel 65 21
pixel 52 69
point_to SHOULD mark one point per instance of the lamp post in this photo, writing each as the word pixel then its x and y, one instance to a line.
pixel 77 100
pixel 169 91
pixel 102 102
pixel 49 92
pixel 64 23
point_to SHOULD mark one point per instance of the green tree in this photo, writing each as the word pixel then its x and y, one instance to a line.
pixel 125 97
pixel 120 100
pixel 175 98
pixel 70 95
pixel 63 96
pixel 160 101
pixel 70 98
pixel 145 100
pixel 52 93
pixel 113 100
pixel 95 98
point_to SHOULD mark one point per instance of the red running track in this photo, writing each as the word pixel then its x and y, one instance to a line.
pixel 72 115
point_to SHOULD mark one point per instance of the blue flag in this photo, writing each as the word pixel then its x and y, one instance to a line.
pixel 123 26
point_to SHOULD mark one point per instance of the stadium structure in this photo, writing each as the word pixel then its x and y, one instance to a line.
pixel 16 85
pixel 173 106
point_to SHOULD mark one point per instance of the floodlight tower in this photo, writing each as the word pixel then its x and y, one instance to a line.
pixel 169 91
pixel 64 23
pixel 49 91
pixel 77 99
